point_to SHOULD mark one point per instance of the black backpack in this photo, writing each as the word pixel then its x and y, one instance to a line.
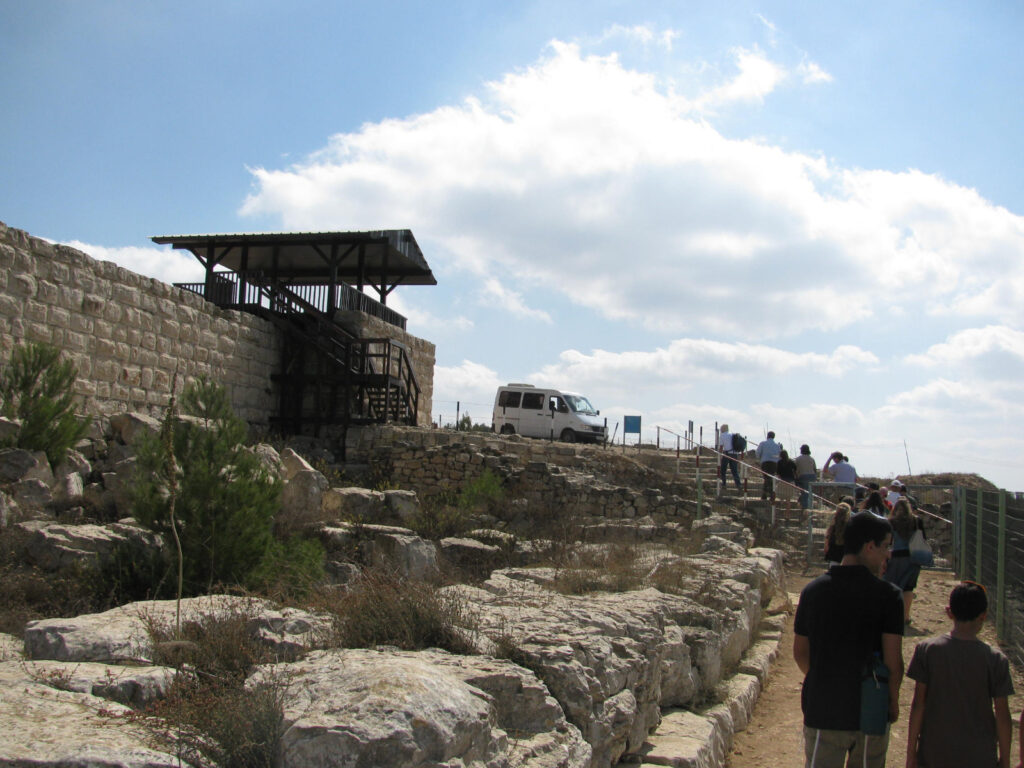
pixel 739 443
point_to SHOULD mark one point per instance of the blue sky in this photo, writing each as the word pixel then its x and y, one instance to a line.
pixel 799 216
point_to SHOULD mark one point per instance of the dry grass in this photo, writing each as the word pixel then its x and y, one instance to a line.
pixel 383 608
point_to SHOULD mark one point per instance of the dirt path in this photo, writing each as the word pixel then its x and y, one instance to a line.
pixel 775 737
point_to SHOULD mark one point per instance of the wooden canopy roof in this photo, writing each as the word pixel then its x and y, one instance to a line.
pixel 382 258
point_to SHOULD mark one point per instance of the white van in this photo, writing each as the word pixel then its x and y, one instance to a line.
pixel 523 409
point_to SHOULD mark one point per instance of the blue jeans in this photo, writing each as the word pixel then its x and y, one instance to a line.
pixel 729 460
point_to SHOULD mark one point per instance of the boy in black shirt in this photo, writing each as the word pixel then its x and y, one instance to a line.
pixel 843 619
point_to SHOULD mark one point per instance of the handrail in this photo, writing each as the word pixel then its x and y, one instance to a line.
pixel 338 343
pixel 758 469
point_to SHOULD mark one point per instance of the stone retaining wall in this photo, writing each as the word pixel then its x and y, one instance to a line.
pixel 544 477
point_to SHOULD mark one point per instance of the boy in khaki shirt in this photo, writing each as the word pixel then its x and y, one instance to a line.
pixel 960 716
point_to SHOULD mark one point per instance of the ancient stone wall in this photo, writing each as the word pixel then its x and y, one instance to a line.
pixel 129 334
pixel 544 477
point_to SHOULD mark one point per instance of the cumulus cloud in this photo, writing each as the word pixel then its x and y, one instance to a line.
pixel 469 386
pixel 757 77
pixel 511 301
pixel 164 264
pixel 597 181
pixel 689 360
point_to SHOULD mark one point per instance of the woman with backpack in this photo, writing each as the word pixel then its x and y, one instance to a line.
pixel 901 569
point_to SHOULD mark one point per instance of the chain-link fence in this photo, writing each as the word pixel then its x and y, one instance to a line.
pixel 988 543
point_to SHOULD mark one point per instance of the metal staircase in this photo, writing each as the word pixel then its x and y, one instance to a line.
pixel 327 375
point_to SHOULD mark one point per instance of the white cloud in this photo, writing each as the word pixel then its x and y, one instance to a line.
pixel 164 264
pixel 810 72
pixel 758 76
pixel 511 301
pixel 644 34
pixel 969 344
pixel 592 179
pixel 468 388
pixel 686 361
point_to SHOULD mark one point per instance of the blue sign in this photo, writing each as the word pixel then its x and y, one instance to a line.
pixel 631 425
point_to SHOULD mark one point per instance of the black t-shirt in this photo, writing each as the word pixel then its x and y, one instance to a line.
pixel 843 614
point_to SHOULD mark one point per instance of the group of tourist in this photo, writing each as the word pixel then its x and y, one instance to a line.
pixel 794 475
pixel 848 636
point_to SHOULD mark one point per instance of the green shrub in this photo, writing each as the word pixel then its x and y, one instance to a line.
pixel 224 501
pixel 445 514
pixel 36 388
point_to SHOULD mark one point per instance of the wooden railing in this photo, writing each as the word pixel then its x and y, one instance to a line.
pixel 228 288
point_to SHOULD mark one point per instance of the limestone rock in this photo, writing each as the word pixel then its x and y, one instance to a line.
pixel 56 546
pixel 301 499
pixel 421 708
pixel 74 463
pixel 33 497
pixel 19 464
pixel 292 463
pixel 415 558
pixel 402 505
pixel 715 544
pixel 120 634
pixel 50 728
pixel 269 458
pixel 129 428
pixel 610 660
pixel 360 504
pixel 472 556
pixel 131 685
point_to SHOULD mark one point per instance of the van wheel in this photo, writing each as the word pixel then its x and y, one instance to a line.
pixel 568 436
pixel 508 429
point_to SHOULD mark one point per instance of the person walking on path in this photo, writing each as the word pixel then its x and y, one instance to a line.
pixel 960 715
pixel 768 455
pixel 845 618
pixel 834 541
pixel 806 473
pixel 725 447
pixel 786 484
pixel 902 570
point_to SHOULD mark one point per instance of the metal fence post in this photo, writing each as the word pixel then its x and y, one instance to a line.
pixel 978 533
pixel 1001 570
pixel 959 530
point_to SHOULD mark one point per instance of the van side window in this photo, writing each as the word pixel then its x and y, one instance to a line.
pixel 534 400
pixel 558 404
pixel 509 399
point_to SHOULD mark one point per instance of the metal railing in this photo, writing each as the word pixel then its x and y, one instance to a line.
pixel 241 290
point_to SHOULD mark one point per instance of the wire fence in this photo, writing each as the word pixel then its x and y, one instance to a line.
pixel 988 544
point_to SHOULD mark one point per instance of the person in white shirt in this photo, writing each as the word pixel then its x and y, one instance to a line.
pixel 728 457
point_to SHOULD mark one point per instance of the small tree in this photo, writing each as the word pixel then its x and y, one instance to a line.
pixel 225 500
pixel 36 387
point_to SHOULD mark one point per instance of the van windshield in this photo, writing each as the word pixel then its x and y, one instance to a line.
pixel 580 405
